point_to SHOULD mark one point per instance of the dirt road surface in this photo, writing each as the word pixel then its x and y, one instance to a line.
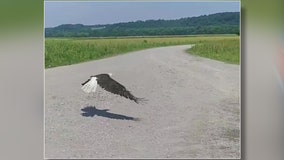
pixel 193 108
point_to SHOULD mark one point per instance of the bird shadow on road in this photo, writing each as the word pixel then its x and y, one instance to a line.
pixel 91 111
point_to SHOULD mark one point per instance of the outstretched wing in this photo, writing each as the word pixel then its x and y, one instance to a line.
pixel 110 85
pixel 90 85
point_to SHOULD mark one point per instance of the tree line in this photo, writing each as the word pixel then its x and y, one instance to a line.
pixel 219 23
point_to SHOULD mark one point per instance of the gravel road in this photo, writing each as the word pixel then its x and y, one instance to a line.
pixel 193 108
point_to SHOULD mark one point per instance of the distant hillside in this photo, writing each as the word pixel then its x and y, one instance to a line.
pixel 219 23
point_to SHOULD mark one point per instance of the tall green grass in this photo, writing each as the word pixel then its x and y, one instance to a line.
pixel 226 50
pixel 59 52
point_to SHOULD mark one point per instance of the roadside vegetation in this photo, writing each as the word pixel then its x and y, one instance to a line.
pixel 60 52
pixel 226 50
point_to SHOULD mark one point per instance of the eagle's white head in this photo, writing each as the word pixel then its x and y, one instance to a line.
pixel 110 74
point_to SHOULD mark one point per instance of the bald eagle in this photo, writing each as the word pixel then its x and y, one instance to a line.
pixel 110 85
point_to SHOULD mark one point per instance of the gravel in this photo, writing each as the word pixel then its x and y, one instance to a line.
pixel 193 108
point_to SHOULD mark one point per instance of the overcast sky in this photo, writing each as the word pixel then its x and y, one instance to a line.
pixel 89 13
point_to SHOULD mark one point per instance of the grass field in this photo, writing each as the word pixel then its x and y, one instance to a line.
pixel 223 50
pixel 59 52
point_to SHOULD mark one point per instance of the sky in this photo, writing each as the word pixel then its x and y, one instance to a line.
pixel 91 13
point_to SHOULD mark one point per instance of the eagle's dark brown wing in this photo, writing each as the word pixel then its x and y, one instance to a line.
pixel 110 85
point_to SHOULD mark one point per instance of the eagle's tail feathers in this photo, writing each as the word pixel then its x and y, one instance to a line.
pixel 90 86
pixel 87 88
